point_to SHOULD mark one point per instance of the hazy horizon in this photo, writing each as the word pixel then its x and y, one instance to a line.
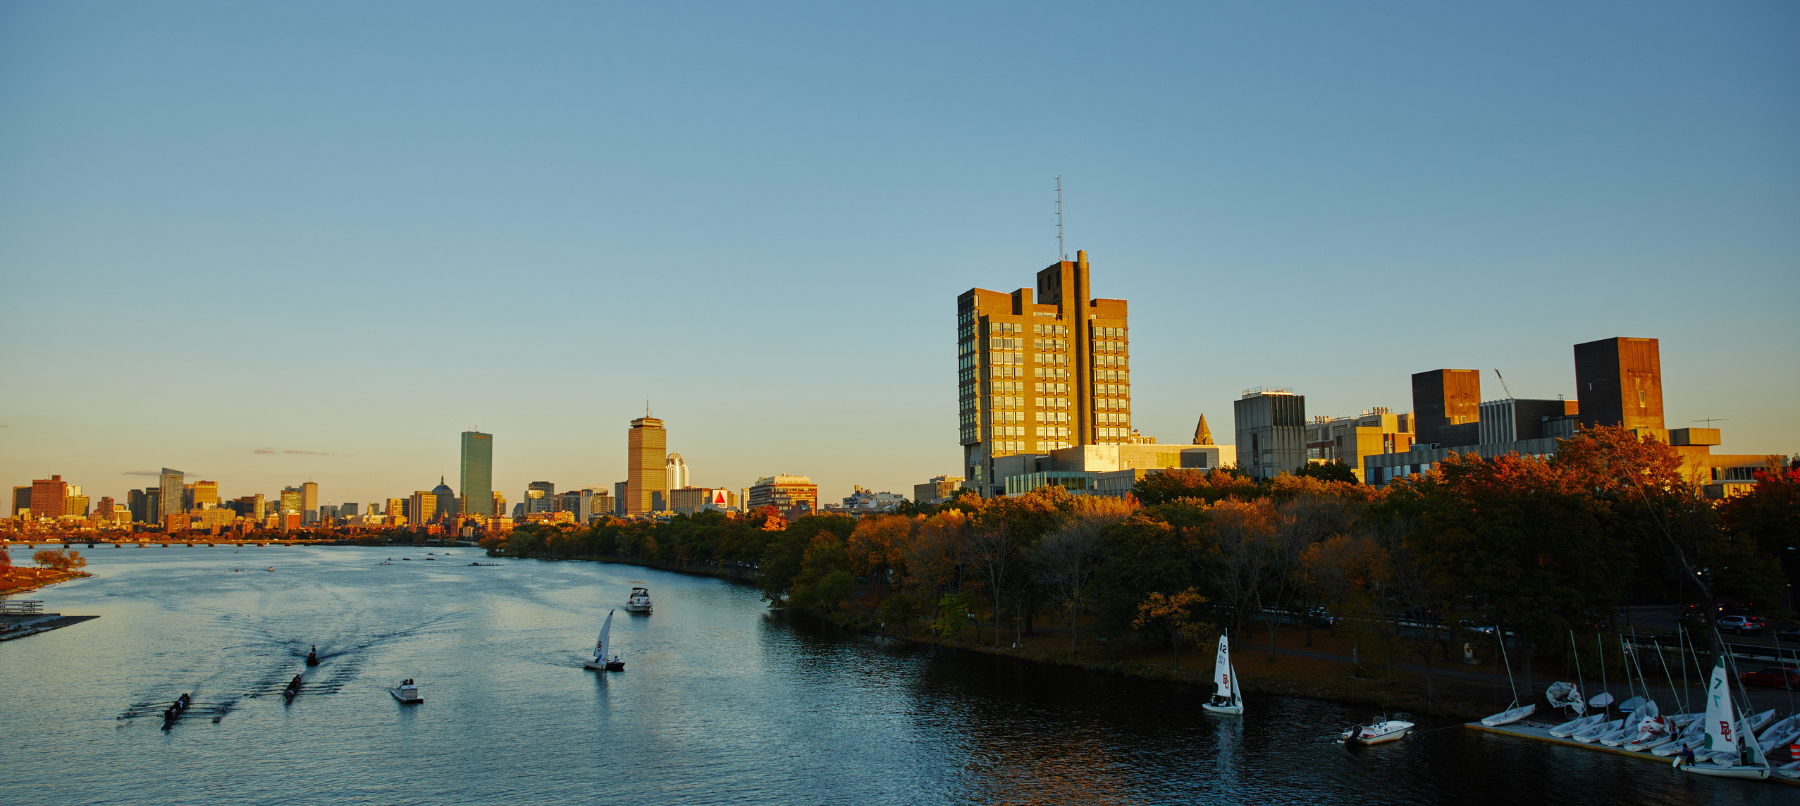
pixel 266 244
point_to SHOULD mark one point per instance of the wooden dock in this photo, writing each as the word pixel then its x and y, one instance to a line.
pixel 1539 731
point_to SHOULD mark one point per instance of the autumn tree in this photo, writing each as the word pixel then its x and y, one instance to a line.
pixel 1168 485
pixel 63 559
pixel 1177 615
pixel 1065 560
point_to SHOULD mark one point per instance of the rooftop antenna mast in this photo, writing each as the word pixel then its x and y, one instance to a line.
pixel 1710 420
pixel 1061 254
pixel 1509 394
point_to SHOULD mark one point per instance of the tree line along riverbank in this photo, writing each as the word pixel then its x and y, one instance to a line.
pixel 1520 546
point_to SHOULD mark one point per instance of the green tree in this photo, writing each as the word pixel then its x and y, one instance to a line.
pixel 824 579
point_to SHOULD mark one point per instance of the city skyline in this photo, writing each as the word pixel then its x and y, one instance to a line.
pixel 1326 202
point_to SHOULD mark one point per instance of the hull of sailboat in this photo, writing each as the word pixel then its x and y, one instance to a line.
pixel 1582 723
pixel 1228 710
pixel 1509 716
pixel 1747 773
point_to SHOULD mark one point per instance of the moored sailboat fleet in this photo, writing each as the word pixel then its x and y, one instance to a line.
pixel 1725 739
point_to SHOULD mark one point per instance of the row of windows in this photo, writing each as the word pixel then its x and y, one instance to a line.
pixel 1049 330
pixel 1051 402
pixel 1114 403
pixel 1111 389
pixel 1007 431
pixel 1006 388
pixel 1006 358
pixel 1109 418
pixel 1009 416
pixel 1052 416
pixel 1113 433
pixel 1050 388
pixel 1109 360
pixel 1050 358
pixel 1050 345
pixel 1005 402
pixel 1006 344
pixel 1052 431
pixel 1051 372
pixel 1107 332
pixel 1109 346
pixel 1111 375
pixel 1006 372
pixel 1005 328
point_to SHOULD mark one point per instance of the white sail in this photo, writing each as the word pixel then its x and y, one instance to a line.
pixel 1237 694
pixel 1223 682
pixel 600 645
pixel 1721 717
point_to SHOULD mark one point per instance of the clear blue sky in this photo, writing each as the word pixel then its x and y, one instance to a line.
pixel 344 232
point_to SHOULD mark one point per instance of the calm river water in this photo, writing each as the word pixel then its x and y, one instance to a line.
pixel 722 702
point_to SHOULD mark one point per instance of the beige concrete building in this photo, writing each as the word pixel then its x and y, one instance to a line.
pixel 1349 439
pixel 646 476
pixel 792 496
pixel 936 491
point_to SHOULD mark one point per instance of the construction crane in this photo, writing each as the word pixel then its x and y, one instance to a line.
pixel 1509 394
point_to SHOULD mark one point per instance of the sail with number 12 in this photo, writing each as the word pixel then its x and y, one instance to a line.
pixel 1227 697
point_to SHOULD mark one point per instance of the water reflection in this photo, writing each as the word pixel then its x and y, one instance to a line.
pixel 722 702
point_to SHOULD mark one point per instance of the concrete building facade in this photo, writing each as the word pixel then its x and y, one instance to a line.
pixel 1348 439
pixel 1271 432
pixel 936 491
pixel 792 496
pixel 1040 370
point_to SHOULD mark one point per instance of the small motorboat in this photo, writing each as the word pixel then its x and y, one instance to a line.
pixel 639 601
pixel 1377 732
pixel 292 690
pixel 407 692
pixel 312 658
pixel 601 663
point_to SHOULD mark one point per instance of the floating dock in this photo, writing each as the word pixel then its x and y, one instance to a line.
pixel 1541 732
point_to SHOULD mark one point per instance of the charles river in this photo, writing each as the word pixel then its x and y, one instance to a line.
pixel 722 701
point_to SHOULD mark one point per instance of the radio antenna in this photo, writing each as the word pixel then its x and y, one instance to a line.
pixel 1061 254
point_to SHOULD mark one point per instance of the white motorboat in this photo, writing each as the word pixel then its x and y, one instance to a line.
pixel 1510 715
pixel 639 601
pixel 1579 723
pixel 1731 752
pixel 1387 730
pixel 1227 698
pixel 601 663
pixel 407 692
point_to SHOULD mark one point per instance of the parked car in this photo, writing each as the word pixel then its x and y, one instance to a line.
pixel 1774 677
pixel 1789 634
pixel 1742 625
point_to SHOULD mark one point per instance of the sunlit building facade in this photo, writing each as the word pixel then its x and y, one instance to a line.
pixel 1040 370
pixel 647 470
pixel 477 482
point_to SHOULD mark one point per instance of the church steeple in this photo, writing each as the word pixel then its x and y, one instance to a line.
pixel 1202 434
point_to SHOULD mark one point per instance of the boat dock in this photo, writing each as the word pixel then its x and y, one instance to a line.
pixel 1540 731
pixel 26 617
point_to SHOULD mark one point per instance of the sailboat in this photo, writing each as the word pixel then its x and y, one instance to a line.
pixel 1227 697
pixel 1514 712
pixel 1730 755
pixel 601 663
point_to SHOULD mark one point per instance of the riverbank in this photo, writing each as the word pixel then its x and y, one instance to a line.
pixel 19 579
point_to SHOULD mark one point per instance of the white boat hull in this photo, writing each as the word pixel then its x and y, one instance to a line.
pixel 1564 730
pixel 1747 773
pixel 1509 716
pixel 1229 710
pixel 406 697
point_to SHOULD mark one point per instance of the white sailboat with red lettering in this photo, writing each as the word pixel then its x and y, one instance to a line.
pixel 1227 697
pixel 1728 754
